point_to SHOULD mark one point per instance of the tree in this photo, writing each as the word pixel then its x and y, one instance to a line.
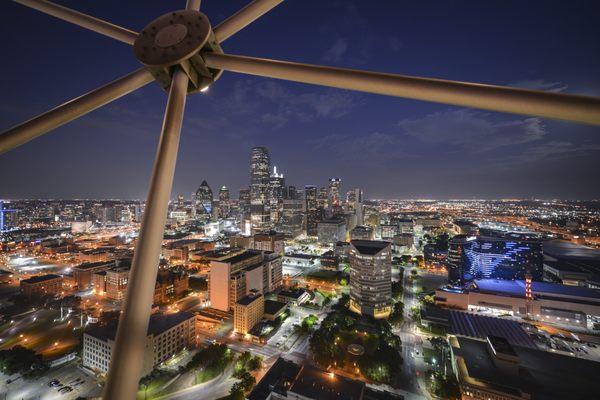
pixel 397 315
pixel 236 392
pixel 247 381
pixel 21 360
pixel 255 363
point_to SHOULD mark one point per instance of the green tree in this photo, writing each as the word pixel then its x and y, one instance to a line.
pixel 255 363
pixel 21 360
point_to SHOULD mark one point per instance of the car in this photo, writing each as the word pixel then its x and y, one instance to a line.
pixel 65 389
pixel 54 383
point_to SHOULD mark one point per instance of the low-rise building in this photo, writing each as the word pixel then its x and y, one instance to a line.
pixel 492 368
pixel 169 285
pixel 294 297
pixel 167 335
pixel 273 309
pixel 270 241
pixel 248 312
pixel 549 302
pixel 83 273
pixel 42 285
pixel 116 283
pixel 288 380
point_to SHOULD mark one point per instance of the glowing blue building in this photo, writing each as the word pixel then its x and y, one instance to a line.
pixel 485 257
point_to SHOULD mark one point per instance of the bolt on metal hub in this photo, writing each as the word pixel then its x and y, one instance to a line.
pixel 175 40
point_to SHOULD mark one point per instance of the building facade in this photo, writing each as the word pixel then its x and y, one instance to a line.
pixel 42 285
pixel 248 312
pixel 371 278
pixel 485 257
pixel 168 334
pixel 331 230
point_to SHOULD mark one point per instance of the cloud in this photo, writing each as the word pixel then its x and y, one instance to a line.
pixel 540 84
pixel 276 105
pixel 553 150
pixel 370 149
pixel 336 51
pixel 472 130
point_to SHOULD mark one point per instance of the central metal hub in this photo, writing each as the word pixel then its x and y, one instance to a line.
pixel 176 40
pixel 171 35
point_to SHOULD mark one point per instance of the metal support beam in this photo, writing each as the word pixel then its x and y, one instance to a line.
pixel 83 20
pixel 488 97
pixel 242 18
pixel 73 109
pixel 193 5
pixel 128 353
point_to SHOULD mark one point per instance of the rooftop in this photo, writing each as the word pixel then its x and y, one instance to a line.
pixel 547 375
pixel 278 379
pixel 480 326
pixel 86 266
pixel 236 258
pixel 369 247
pixel 246 300
pixel 272 307
pixel 292 293
pixel 159 323
pixel 41 278
pixel 317 384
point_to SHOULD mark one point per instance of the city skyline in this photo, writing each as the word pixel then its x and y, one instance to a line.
pixel 410 149
pixel 354 211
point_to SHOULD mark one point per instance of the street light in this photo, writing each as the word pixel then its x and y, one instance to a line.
pixel 182 52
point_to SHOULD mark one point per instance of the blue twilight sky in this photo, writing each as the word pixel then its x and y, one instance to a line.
pixel 389 147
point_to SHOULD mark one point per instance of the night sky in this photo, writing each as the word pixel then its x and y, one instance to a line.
pixel 390 147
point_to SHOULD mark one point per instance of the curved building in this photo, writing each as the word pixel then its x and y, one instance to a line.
pixel 484 257
pixel 371 277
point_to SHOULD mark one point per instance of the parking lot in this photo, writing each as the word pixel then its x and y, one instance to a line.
pixel 66 376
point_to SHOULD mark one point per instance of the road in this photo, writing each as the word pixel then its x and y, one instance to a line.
pixel 412 343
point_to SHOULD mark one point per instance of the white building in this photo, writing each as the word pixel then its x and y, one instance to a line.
pixel 167 335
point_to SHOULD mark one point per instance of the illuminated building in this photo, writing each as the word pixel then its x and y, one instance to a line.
pixel 331 230
pixel 354 199
pixel 234 275
pixel 203 202
pixel 371 277
pixel 260 167
pixel 42 285
pixel 269 241
pixel 287 380
pixel 292 218
pixel 83 273
pixel 224 202
pixel 549 302
pixel 333 192
pixel 167 335
pixel 360 232
pixel 312 209
pixel 477 257
pixel 248 311
pixel 116 283
pixel 493 368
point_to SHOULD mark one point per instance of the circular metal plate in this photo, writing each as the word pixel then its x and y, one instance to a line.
pixel 171 35
pixel 172 38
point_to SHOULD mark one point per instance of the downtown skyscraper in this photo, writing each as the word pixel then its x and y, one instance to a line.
pixel 260 174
